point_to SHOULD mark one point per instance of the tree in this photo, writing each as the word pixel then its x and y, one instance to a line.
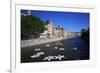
pixel 85 34
pixel 83 30
pixel 31 26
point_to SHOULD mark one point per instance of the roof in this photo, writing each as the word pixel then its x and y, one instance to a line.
pixel 48 22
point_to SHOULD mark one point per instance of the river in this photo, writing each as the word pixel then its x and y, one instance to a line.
pixel 71 49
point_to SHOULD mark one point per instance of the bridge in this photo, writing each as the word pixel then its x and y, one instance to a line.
pixel 74 34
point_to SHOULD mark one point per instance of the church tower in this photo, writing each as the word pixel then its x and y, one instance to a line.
pixel 49 27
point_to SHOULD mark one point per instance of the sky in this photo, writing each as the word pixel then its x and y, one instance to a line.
pixel 70 21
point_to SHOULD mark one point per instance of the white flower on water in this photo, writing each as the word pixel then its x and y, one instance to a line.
pixel 61 48
pixel 56 57
pixel 56 47
pixel 37 55
pixel 60 57
pixel 75 48
pixel 49 58
pixel 47 45
pixel 37 49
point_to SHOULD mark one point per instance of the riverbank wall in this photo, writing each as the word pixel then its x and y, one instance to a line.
pixel 32 42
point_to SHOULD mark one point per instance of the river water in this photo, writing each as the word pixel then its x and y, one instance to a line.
pixel 71 49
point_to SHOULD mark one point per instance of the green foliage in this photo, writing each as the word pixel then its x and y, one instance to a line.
pixel 31 25
pixel 85 34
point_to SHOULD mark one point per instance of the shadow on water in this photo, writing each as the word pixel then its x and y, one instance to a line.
pixel 74 49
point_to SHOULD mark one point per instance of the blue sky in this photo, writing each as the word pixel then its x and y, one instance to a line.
pixel 71 21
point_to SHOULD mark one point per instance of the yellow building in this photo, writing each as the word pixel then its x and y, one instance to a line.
pixel 49 28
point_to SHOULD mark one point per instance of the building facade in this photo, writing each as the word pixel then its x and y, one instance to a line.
pixel 49 28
